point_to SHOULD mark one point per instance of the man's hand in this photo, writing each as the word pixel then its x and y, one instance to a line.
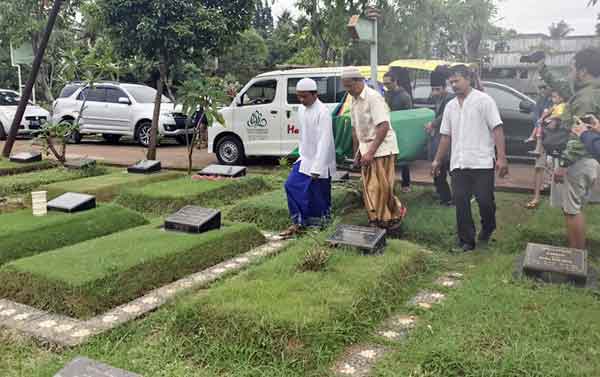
pixel 435 168
pixel 314 176
pixel 502 167
pixel 429 128
pixel 579 129
pixel 367 159
pixel 357 160
pixel 595 125
pixel 559 175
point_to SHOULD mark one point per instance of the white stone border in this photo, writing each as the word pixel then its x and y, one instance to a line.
pixel 67 331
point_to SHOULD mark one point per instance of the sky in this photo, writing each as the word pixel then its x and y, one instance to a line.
pixel 527 16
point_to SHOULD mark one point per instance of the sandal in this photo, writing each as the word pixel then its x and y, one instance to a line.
pixel 290 232
pixel 533 204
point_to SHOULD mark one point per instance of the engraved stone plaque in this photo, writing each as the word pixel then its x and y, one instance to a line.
pixel 145 167
pixel 26 157
pixel 224 171
pixel 193 219
pixel 72 202
pixel 80 163
pixel 556 264
pixel 365 238
pixel 84 367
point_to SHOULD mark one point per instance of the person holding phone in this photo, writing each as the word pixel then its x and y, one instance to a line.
pixel 588 130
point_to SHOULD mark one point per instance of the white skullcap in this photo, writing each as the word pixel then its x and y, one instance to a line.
pixel 351 73
pixel 306 85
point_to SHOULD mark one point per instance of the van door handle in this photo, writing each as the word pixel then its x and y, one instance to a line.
pixel 274 112
pixel 289 114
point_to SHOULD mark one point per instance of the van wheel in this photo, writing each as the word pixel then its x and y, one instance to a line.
pixel 2 132
pixel 143 134
pixel 230 151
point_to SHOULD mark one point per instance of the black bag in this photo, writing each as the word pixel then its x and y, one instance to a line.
pixel 555 140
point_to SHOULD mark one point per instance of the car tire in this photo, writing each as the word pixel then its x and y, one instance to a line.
pixel 230 151
pixel 111 138
pixel 142 134
pixel 3 135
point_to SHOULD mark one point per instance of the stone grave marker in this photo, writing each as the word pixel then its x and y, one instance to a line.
pixel 193 219
pixel 340 176
pixel 72 202
pixel 84 367
pixel 223 171
pixel 80 163
pixel 555 264
pixel 145 167
pixel 26 157
pixel 369 239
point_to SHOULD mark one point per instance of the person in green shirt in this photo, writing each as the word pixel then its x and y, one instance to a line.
pixel 577 170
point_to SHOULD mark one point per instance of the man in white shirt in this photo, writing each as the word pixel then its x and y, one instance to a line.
pixel 308 186
pixel 377 151
pixel 472 125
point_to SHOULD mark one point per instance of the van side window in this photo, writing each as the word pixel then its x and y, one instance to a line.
pixel 260 93
pixel 327 87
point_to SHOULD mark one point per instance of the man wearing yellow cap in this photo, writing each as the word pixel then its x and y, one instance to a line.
pixel 377 151
pixel 308 186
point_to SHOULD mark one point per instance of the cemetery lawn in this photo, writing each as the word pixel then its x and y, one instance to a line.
pixel 91 277
pixel 493 325
pixel 8 167
pixel 166 197
pixel 23 183
pixel 270 210
pixel 24 235
pixel 107 187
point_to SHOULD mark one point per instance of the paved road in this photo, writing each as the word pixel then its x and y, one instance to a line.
pixel 175 157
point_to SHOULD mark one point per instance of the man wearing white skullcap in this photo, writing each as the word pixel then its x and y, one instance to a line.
pixel 377 151
pixel 308 186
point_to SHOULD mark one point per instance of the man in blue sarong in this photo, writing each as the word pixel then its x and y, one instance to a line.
pixel 308 186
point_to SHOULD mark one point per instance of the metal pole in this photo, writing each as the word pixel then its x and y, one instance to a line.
pixel 20 80
pixel 374 63
pixel 35 68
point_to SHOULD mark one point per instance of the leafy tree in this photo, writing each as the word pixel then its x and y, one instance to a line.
pixel 263 18
pixel 165 32
pixel 280 43
pixel 247 57
pixel 24 22
pixel 559 30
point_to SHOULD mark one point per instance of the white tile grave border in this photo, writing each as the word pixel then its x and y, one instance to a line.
pixel 67 331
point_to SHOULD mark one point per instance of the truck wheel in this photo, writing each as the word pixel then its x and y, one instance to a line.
pixel 230 151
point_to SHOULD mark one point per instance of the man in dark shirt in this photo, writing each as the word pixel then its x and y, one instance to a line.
pixel 589 134
pixel 439 92
pixel 398 99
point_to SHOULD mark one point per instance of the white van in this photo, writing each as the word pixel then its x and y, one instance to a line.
pixel 262 120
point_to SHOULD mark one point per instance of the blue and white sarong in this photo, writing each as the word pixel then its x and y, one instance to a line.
pixel 309 201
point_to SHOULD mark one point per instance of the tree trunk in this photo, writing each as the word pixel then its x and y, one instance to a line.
pixel 157 104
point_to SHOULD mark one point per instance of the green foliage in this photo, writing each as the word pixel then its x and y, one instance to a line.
pixel 274 313
pixel 23 183
pixel 24 235
pixel 165 197
pixel 91 277
pixel 559 30
pixel 263 18
pixel 247 57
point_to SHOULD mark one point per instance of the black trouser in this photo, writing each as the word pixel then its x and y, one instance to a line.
pixel 441 183
pixel 405 169
pixel 465 184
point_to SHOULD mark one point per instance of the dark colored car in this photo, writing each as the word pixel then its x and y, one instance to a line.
pixel 516 110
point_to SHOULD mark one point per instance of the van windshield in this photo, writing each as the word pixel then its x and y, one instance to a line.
pixel 144 94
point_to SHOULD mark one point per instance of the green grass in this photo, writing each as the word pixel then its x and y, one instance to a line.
pixel 23 234
pixel 107 187
pixel 270 210
pixel 91 277
pixel 23 183
pixel 274 313
pixel 164 197
pixel 8 167
pixel 548 226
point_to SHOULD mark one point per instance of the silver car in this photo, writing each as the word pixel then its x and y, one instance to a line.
pixel 33 119
pixel 115 110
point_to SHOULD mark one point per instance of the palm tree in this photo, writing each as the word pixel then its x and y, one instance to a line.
pixel 560 30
